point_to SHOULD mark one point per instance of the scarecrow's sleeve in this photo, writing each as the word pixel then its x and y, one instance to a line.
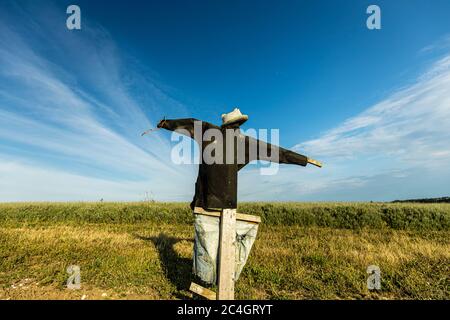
pixel 184 126
pixel 261 150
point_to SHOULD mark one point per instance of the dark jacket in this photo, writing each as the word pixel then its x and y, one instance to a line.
pixel 216 185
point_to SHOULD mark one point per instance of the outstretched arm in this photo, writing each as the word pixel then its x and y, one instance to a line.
pixel 268 152
pixel 291 157
pixel 185 126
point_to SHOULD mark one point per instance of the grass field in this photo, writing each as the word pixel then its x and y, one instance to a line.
pixel 303 250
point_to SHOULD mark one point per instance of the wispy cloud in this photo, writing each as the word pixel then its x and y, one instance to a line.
pixel 407 126
pixel 73 105
pixel 397 148
pixel 70 108
pixel 24 181
pixel 442 44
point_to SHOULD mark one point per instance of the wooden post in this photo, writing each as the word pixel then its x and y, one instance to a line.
pixel 217 213
pixel 205 293
pixel 226 261
pixel 227 254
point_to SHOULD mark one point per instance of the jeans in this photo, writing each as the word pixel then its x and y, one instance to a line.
pixel 206 246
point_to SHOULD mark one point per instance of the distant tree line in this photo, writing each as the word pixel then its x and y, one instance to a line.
pixel 427 200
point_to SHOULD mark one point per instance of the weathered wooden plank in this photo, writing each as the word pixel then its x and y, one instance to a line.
pixel 239 216
pixel 315 162
pixel 206 293
pixel 227 253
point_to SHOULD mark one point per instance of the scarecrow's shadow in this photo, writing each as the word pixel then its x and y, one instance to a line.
pixel 177 269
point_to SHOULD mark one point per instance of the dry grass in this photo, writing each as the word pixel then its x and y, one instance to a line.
pixel 151 259
pixel 325 263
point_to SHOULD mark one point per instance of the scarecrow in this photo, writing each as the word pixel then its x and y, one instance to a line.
pixel 216 185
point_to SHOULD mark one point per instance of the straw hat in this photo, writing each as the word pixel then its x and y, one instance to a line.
pixel 234 116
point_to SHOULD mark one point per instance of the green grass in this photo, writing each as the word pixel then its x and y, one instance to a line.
pixel 303 250
pixel 335 215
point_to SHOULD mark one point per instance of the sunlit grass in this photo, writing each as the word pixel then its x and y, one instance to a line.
pixel 303 251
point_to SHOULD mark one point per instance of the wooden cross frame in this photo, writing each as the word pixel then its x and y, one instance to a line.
pixel 227 251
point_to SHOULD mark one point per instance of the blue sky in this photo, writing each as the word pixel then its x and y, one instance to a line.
pixel 373 105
